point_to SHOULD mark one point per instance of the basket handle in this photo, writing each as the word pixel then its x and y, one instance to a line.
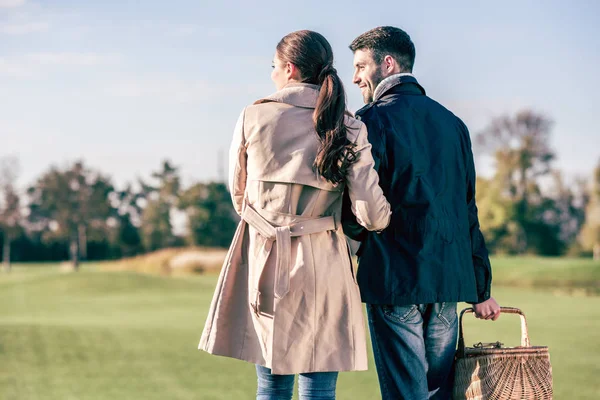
pixel 506 310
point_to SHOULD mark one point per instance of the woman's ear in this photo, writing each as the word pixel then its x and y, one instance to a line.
pixel 292 72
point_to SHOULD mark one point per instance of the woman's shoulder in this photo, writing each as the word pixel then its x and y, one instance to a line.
pixel 264 111
pixel 354 127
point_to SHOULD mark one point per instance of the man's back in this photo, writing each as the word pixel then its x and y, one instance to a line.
pixel 432 255
pixel 427 254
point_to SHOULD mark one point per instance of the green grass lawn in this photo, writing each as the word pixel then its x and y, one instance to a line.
pixel 101 335
pixel 571 274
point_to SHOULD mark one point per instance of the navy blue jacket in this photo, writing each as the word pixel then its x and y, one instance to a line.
pixel 433 250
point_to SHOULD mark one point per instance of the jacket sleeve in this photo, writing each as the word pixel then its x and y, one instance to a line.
pixel 237 165
pixel 364 196
pixel 352 228
pixel 481 261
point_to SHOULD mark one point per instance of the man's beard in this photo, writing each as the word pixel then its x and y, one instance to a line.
pixel 376 80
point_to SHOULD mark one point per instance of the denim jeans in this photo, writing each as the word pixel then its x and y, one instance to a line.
pixel 414 349
pixel 311 386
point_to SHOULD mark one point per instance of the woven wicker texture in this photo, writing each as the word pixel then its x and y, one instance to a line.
pixel 490 371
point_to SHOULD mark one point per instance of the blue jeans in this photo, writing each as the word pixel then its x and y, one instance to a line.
pixel 414 349
pixel 311 386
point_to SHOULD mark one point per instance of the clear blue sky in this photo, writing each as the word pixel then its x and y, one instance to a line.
pixel 125 84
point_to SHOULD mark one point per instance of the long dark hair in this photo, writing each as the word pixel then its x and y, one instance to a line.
pixel 311 53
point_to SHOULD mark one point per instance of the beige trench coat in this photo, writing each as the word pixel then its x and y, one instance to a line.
pixel 287 297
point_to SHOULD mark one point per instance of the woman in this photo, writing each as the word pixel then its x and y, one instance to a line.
pixel 287 298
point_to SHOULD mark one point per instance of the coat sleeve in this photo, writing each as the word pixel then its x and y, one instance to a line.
pixel 237 165
pixel 352 228
pixel 481 260
pixel 364 197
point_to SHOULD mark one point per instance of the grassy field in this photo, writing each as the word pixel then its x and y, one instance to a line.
pixel 573 275
pixel 122 335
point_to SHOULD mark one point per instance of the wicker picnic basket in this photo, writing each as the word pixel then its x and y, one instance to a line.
pixel 489 371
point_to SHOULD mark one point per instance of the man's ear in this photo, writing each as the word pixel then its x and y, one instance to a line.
pixel 390 65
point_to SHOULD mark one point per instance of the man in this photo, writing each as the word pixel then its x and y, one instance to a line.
pixel 433 254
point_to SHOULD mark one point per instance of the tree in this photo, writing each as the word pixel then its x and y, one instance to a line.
pixel 495 213
pixel 520 147
pixel 564 208
pixel 125 235
pixel 590 233
pixel 70 202
pixel 212 219
pixel 156 227
pixel 10 208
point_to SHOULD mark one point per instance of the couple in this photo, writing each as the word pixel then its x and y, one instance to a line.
pixel 400 178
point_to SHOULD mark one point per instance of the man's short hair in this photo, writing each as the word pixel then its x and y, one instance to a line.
pixel 387 40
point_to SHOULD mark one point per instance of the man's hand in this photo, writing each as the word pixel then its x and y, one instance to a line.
pixel 489 309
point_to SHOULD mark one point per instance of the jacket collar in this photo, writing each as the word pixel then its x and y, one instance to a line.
pixel 395 80
pixel 296 94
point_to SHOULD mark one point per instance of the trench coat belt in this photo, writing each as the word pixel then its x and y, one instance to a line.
pixel 282 235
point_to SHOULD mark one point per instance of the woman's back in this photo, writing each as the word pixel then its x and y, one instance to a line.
pixel 287 297
pixel 281 146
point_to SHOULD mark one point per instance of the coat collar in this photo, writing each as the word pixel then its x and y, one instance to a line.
pixel 392 81
pixel 296 94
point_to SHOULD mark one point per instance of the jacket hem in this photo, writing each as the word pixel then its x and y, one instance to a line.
pixel 423 299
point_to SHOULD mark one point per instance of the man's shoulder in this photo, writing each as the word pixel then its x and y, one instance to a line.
pixel 418 106
pixel 369 116
pixel 365 112
pixel 436 106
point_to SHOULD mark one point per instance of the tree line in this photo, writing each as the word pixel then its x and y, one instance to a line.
pixel 76 213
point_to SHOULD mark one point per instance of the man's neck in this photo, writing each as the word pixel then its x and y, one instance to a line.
pixel 387 83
